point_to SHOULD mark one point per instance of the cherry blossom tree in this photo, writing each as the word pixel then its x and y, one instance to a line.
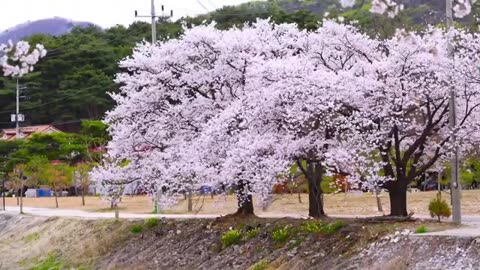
pixel 111 181
pixel 239 107
pixel 18 59
pixel 176 96
pixel 409 110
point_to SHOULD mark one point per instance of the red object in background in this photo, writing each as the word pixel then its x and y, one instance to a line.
pixel 96 150
pixel 279 188
pixel 55 162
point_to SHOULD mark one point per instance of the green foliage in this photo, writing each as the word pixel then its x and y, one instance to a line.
pixel 316 227
pixel 54 146
pixel 335 226
pixel 252 233
pixel 280 236
pixel 52 262
pixel 34 169
pixel 136 229
pixel 32 237
pixel 328 185
pixel 58 176
pixel 7 150
pixel 439 208
pixel 151 222
pixel 260 265
pixel 95 132
pixel 470 171
pixel 311 227
pixel 421 229
pixel 231 237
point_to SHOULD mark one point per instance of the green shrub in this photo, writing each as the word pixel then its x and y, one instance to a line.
pixel 52 262
pixel 260 265
pixel 421 229
pixel 32 237
pixel 439 208
pixel 332 227
pixel 151 222
pixel 231 238
pixel 281 235
pixel 311 227
pixel 337 225
pixel 252 233
pixel 136 229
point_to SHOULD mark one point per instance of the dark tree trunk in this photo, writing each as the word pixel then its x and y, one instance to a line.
pixel 21 200
pixel 315 193
pixel 398 199
pixel 379 201
pixel 56 199
pixel 245 201
pixel 299 192
pixel 83 196
pixel 190 202
pixel 117 211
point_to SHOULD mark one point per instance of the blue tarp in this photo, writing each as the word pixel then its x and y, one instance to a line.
pixel 44 192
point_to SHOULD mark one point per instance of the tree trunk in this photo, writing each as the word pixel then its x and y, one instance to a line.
pixel 21 200
pixel 244 200
pixel 268 201
pixel 190 203
pixel 315 198
pixel 16 195
pixel 379 201
pixel 56 198
pixel 117 211
pixel 83 196
pixel 398 200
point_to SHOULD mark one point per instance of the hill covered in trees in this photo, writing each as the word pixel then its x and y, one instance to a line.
pixel 72 82
pixel 54 26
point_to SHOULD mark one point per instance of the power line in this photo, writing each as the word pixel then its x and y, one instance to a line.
pixel 202 5
pixel 49 102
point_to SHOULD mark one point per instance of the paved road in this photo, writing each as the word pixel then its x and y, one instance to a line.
pixel 52 212
pixel 471 224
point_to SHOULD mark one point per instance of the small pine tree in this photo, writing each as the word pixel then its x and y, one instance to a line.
pixel 439 208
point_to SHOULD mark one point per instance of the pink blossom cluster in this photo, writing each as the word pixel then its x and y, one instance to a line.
pixel 19 59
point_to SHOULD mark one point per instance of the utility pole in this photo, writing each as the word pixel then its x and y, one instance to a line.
pixel 154 16
pixel 17 127
pixel 455 186
pixel 17 117
pixel 154 23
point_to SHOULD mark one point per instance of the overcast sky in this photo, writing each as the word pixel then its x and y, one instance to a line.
pixel 105 13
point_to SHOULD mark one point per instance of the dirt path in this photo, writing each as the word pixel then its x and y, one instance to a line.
pixel 335 204
pixel 50 212
pixel 470 228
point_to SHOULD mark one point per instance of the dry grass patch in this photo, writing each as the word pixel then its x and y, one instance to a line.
pixel 33 240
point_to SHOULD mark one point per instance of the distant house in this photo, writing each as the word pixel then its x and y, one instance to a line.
pixel 25 132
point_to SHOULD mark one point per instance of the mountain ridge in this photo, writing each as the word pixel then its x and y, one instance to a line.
pixel 51 26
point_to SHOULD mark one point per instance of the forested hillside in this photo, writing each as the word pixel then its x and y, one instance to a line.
pixel 54 26
pixel 72 82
